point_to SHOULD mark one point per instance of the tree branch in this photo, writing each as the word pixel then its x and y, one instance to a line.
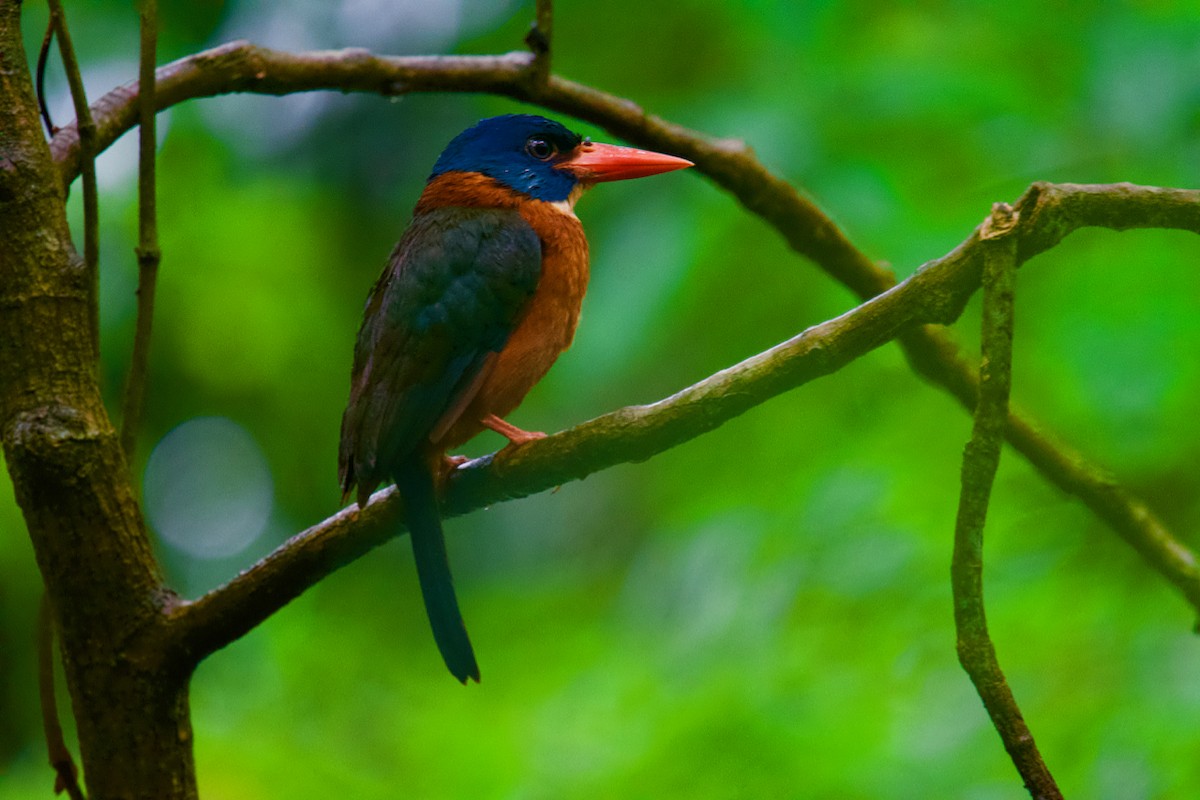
pixel 936 294
pixel 69 476
pixel 981 457
pixel 66 774
pixel 88 150
pixel 243 67
pixel 40 80
pixel 1049 213
pixel 240 66
pixel 148 255
pixel 540 39
pixel 628 435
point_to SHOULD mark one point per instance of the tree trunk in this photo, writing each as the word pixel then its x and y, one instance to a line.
pixel 70 476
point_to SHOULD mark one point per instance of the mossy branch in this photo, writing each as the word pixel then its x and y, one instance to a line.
pixel 981 457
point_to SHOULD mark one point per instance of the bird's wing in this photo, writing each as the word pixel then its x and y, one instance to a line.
pixel 451 294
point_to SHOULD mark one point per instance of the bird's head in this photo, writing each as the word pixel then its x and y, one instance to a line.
pixel 544 160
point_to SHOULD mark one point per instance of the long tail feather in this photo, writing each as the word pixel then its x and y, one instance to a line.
pixel 415 483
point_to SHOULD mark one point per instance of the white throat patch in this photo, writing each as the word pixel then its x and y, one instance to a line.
pixel 568 206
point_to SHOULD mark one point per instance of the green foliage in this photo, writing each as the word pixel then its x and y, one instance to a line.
pixel 763 612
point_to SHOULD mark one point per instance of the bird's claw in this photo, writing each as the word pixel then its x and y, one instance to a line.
pixel 449 464
pixel 515 443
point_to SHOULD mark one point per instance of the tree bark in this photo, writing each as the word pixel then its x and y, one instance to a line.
pixel 70 476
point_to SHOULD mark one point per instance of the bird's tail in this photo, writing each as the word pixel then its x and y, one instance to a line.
pixel 414 480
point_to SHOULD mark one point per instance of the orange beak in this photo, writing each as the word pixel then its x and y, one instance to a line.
pixel 593 163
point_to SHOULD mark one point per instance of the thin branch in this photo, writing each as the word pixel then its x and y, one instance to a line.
pixel 1049 213
pixel 43 58
pixel 88 150
pixel 148 254
pixel 243 67
pixel 540 40
pixel 66 775
pixel 980 460
pixel 936 294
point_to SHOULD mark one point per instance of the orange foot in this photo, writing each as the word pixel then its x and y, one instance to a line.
pixel 516 437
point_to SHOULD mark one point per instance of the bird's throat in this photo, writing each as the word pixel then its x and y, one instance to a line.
pixel 568 206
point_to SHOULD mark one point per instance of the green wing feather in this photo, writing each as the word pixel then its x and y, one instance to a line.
pixel 450 296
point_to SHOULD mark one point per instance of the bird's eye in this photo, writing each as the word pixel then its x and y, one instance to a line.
pixel 539 148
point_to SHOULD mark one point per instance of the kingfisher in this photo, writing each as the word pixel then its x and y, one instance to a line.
pixel 476 302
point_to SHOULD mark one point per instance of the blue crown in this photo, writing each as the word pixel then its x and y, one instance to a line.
pixel 518 150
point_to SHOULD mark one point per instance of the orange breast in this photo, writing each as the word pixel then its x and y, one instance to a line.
pixel 547 327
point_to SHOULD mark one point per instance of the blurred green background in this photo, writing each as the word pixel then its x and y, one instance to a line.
pixel 765 611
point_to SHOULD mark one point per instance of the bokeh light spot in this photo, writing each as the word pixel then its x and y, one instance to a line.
pixel 208 490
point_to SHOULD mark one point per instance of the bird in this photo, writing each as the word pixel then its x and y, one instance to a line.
pixel 477 300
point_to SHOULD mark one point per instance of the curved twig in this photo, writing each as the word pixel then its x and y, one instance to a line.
pixel 66 774
pixel 936 294
pixel 981 457
pixel 40 79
